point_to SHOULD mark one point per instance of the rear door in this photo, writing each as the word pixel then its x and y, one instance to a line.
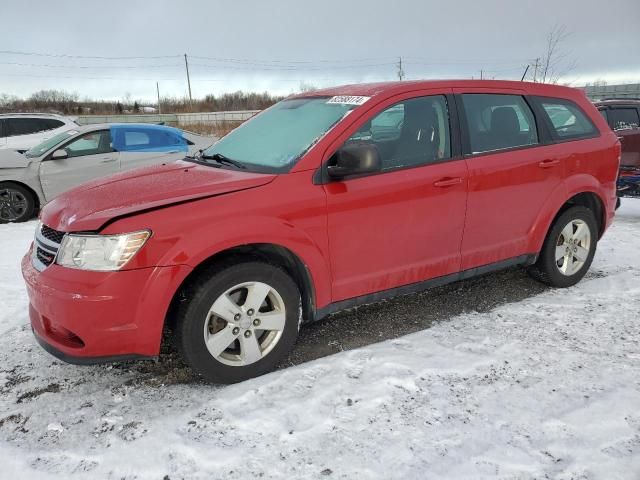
pixel 511 174
pixel 89 157
pixel 140 145
pixel 625 122
pixel 403 224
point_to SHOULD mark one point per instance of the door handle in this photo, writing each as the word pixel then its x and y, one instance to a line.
pixel 448 182
pixel 549 163
pixel 107 160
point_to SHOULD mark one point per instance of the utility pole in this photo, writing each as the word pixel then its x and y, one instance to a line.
pixel 186 65
pixel 400 70
pixel 535 69
pixel 158 90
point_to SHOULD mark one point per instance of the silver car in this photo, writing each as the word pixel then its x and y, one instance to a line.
pixel 29 180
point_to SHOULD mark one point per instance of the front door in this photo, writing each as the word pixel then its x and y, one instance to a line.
pixel 404 224
pixel 89 157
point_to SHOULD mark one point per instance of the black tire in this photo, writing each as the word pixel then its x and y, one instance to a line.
pixel 198 298
pixel 546 268
pixel 9 213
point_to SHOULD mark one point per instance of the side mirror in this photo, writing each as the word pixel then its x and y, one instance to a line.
pixel 59 154
pixel 355 159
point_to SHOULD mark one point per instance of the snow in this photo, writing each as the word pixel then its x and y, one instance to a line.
pixel 548 387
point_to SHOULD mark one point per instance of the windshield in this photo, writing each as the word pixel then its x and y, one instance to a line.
pixel 50 143
pixel 275 139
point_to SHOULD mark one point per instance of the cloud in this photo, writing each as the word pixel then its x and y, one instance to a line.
pixel 276 46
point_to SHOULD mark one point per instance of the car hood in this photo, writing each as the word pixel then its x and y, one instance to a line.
pixel 91 205
pixel 12 159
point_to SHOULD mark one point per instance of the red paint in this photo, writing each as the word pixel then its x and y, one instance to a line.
pixel 355 237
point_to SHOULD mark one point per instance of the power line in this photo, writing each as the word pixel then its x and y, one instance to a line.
pixel 95 57
pixel 88 66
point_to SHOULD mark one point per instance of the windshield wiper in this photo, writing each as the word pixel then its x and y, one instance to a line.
pixel 218 157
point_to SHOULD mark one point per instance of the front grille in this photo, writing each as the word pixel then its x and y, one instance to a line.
pixel 51 234
pixel 45 248
pixel 45 257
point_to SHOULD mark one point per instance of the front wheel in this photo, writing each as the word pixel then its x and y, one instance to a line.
pixel 17 204
pixel 238 321
pixel 568 250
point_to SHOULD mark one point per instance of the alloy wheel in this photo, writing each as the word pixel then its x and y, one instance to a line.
pixel 13 204
pixel 244 324
pixel 572 247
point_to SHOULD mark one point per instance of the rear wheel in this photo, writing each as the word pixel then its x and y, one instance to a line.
pixel 238 321
pixel 17 204
pixel 568 250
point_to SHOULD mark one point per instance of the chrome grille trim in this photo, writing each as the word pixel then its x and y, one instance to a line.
pixel 44 247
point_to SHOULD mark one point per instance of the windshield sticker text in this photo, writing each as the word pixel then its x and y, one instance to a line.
pixel 348 99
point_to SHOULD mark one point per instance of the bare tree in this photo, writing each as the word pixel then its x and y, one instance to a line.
pixel 554 63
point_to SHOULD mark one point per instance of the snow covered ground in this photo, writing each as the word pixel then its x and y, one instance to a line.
pixel 548 387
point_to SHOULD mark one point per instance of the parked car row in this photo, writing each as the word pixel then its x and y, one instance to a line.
pixel 69 158
pixel 325 201
pixel 623 116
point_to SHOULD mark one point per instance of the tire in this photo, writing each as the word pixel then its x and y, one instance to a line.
pixel 568 269
pixel 230 291
pixel 17 204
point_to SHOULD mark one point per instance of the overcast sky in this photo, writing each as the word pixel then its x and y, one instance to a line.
pixel 278 45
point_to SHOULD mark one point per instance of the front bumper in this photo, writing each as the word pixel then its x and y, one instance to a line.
pixel 92 317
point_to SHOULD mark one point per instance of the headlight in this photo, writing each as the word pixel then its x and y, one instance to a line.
pixel 100 252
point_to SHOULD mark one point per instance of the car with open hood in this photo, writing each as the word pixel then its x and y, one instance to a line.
pixel 31 179
pixel 327 200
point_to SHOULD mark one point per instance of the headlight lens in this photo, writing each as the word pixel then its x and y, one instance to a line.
pixel 100 252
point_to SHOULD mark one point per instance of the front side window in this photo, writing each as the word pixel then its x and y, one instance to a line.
pixel 275 139
pixel 92 143
pixel 497 122
pixel 410 133
pixel 48 144
pixel 567 119
pixel 624 118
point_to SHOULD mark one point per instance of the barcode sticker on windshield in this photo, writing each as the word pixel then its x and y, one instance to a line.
pixel 348 100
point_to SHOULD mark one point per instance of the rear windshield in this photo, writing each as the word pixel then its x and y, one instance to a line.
pixel 276 138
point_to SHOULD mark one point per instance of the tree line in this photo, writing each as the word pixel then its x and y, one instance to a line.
pixel 68 103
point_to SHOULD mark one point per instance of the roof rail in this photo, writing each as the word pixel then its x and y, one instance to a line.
pixel 619 98
pixel 19 114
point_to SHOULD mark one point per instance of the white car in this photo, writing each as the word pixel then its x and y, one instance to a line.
pixel 91 152
pixel 21 131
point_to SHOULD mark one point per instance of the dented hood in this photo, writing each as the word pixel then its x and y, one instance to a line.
pixel 91 205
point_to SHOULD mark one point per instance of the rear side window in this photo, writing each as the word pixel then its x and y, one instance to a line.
pixel 603 112
pixel 567 119
pixel 132 139
pixel 624 118
pixel 26 126
pixel 497 122
pixel 52 123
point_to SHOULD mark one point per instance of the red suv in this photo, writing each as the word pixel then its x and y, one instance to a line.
pixel 325 201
